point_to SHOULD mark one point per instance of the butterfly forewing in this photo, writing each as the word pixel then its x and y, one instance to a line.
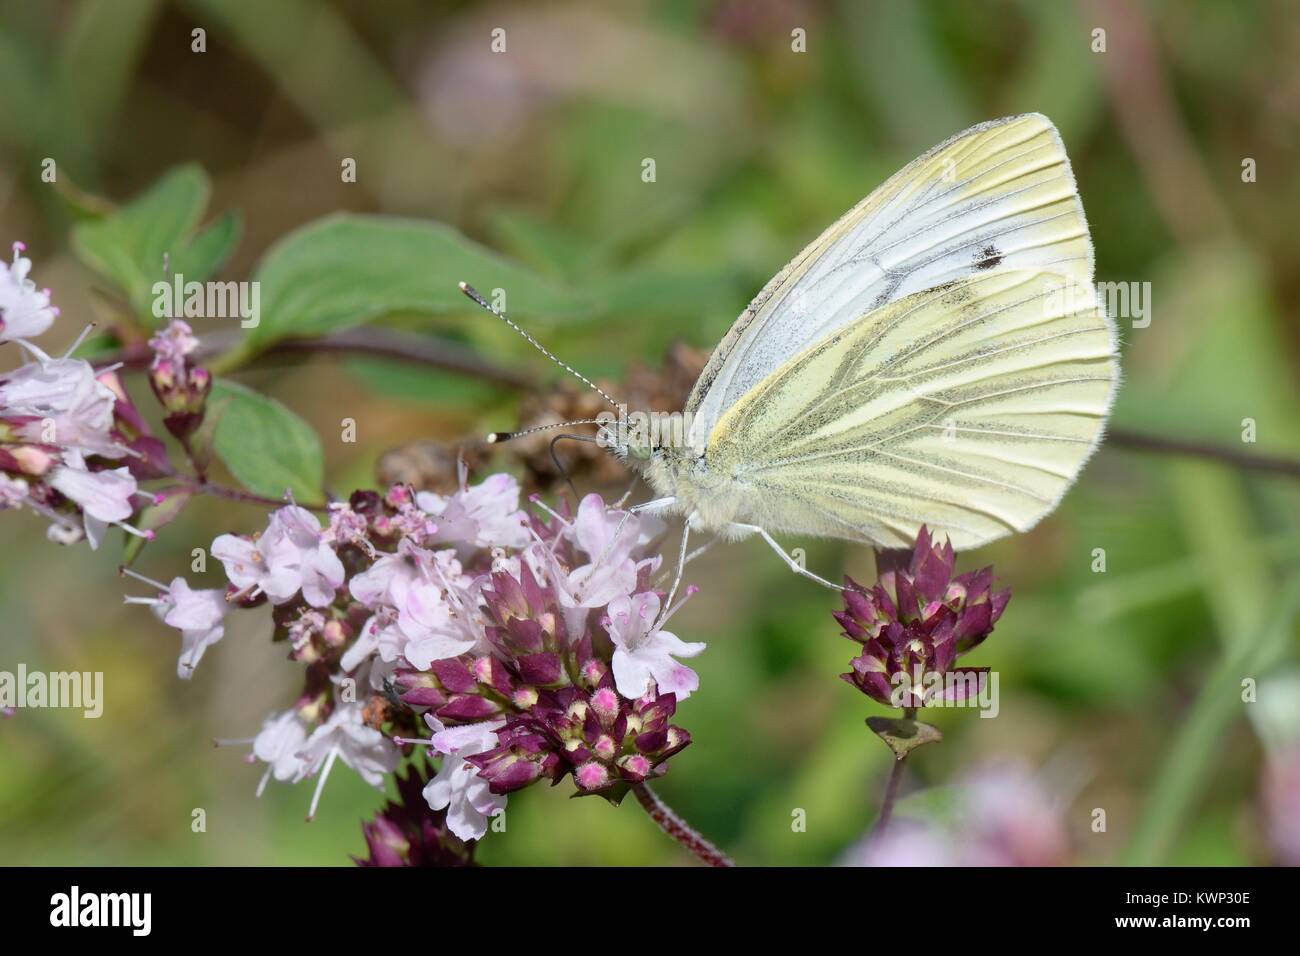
pixel 998 196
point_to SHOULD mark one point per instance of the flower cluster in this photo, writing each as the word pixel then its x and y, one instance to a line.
pixel 529 646
pixel 913 624
pixel 501 646
pixel 72 445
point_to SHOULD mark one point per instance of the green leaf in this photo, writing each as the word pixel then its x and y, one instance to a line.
pixel 127 246
pixel 903 734
pixel 414 384
pixel 265 445
pixel 345 270
pixel 207 252
pixel 543 244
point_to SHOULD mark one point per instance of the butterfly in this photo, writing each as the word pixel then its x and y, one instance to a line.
pixel 936 357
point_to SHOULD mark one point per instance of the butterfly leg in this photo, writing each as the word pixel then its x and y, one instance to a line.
pixel 647 507
pixel 794 565
pixel 654 505
pixel 681 562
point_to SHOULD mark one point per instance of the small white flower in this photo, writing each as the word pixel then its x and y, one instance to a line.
pixel 484 516
pixel 644 653
pixel 104 496
pixel 458 788
pixel 173 343
pixel 25 311
pixel 296 541
pixel 67 403
pixel 291 556
pixel 13 492
pixel 410 593
pixel 608 538
pixel 198 615
pixel 345 735
pixel 279 745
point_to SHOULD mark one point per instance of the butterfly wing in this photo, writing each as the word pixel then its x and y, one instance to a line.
pixel 998 196
pixel 970 407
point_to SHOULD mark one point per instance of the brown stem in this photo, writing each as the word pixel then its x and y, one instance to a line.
pixel 891 794
pixel 891 788
pixel 678 829
pixel 1139 441
pixel 247 497
pixel 384 343
pixel 459 359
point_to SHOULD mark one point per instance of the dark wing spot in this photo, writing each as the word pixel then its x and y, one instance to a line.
pixel 988 258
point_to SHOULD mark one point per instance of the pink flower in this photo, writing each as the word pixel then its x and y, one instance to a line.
pixel 458 788
pixel 425 621
pixel 1282 805
pixel 291 555
pixel 608 539
pixel 198 615
pixel 345 735
pixel 104 496
pixel 1003 815
pixel 484 516
pixel 297 543
pixel 66 394
pixel 25 311
pixel 644 653
pixel 905 843
pixel 420 623
pixel 173 343
pixel 13 492
pixel 248 568
pixel 375 585
pixel 279 745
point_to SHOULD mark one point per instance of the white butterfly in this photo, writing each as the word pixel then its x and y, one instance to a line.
pixel 937 357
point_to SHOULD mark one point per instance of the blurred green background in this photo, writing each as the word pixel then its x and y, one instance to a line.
pixel 1122 686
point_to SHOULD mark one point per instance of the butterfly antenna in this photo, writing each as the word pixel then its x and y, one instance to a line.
pixel 473 293
pixel 494 438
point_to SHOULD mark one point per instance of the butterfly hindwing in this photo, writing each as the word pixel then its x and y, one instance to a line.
pixel 970 407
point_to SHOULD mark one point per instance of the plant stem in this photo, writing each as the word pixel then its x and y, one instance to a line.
pixel 891 794
pixel 678 829
pixel 222 353
pixel 891 788
pixel 247 497
pixel 1138 441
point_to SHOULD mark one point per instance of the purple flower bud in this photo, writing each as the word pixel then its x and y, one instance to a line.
pixel 913 624
pixel 468 708
pixel 543 669
pixel 605 705
pixel 591 776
